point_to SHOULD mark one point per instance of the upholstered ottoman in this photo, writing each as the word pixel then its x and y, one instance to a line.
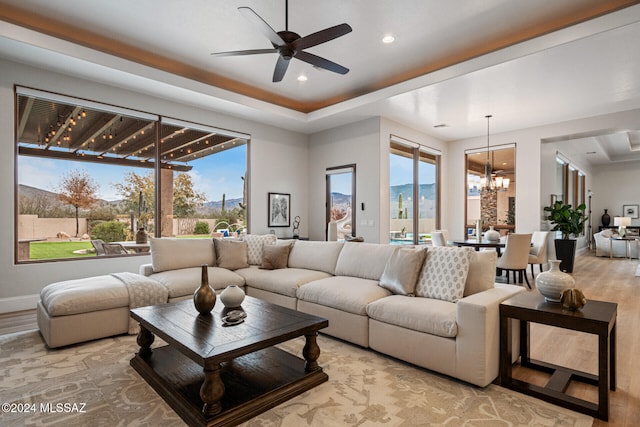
pixel 85 309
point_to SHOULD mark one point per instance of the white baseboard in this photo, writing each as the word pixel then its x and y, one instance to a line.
pixel 21 303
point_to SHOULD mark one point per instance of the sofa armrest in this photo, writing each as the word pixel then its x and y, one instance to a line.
pixel 146 270
pixel 478 339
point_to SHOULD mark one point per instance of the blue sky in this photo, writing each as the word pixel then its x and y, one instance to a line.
pixel 402 171
pixel 212 175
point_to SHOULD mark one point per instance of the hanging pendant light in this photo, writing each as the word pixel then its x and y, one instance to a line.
pixel 487 182
pixel 490 181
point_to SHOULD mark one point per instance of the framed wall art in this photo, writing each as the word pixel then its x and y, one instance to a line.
pixel 630 210
pixel 279 210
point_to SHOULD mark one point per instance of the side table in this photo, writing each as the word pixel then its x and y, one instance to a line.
pixel 596 317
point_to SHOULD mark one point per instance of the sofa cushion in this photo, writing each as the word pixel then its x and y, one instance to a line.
pixel 349 294
pixel 232 254
pixel 402 269
pixel 482 272
pixel 172 254
pixel 284 281
pixel 275 256
pixel 310 255
pixel 444 273
pixel 364 260
pixel 254 246
pixel 84 295
pixel 185 281
pixel 431 316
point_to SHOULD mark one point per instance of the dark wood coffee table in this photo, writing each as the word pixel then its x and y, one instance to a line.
pixel 217 375
pixel 596 317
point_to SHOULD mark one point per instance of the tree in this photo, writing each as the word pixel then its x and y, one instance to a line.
pixel 79 190
pixel 185 198
pixel 131 190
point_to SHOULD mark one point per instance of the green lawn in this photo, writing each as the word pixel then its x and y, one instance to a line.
pixel 53 250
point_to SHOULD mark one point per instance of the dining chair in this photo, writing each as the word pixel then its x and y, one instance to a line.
pixel 515 257
pixel 538 253
pixel 437 239
pixel 445 235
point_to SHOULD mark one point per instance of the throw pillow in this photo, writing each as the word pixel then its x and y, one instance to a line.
pixel 482 272
pixel 444 273
pixel 255 244
pixel 402 269
pixel 275 256
pixel 232 254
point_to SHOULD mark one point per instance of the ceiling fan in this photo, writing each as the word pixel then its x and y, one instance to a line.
pixel 290 45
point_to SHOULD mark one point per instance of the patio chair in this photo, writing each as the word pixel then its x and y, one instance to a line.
pixel 114 249
pixel 98 245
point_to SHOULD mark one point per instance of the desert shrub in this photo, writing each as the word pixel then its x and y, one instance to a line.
pixel 201 227
pixel 109 231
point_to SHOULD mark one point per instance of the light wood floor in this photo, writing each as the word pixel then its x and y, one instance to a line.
pixel 599 279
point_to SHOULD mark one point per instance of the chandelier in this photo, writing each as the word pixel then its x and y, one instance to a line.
pixel 490 181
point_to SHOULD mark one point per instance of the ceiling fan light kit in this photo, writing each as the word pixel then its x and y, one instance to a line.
pixel 290 45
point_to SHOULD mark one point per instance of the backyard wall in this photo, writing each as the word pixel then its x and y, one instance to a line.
pixel 32 227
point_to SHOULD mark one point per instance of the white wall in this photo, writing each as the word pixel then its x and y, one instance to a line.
pixel 613 186
pixel 365 143
pixel 279 162
pixel 358 144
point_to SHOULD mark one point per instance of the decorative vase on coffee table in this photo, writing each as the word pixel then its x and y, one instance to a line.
pixel 204 298
pixel 553 282
pixel 232 296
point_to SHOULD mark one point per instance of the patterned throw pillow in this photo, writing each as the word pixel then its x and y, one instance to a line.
pixel 444 273
pixel 255 243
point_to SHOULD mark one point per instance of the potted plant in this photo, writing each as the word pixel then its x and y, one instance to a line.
pixel 569 222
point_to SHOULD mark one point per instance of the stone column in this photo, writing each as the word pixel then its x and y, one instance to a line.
pixel 166 186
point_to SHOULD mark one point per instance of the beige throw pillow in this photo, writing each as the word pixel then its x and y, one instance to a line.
pixel 275 256
pixel 402 269
pixel 482 272
pixel 232 254
pixel 444 273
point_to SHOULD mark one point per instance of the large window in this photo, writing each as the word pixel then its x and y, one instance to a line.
pixel 413 192
pixel 90 173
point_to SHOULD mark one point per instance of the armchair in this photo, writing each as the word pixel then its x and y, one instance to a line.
pixel 614 248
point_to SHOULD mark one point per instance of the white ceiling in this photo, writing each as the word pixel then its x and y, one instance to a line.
pixel 452 62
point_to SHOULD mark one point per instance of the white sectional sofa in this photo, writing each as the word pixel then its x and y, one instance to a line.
pixel 365 290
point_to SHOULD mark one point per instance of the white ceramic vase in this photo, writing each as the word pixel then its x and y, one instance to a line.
pixel 492 235
pixel 232 296
pixel 552 283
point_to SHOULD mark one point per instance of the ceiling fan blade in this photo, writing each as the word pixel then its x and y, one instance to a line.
pixel 321 62
pixel 281 68
pixel 322 36
pixel 262 25
pixel 244 52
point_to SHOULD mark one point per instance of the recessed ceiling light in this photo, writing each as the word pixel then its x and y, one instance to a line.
pixel 590 152
pixel 388 39
pixel 441 125
pixel 302 78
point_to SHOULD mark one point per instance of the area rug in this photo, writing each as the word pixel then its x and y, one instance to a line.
pixel 92 384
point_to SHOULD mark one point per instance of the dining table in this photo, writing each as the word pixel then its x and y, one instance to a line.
pixel 480 243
